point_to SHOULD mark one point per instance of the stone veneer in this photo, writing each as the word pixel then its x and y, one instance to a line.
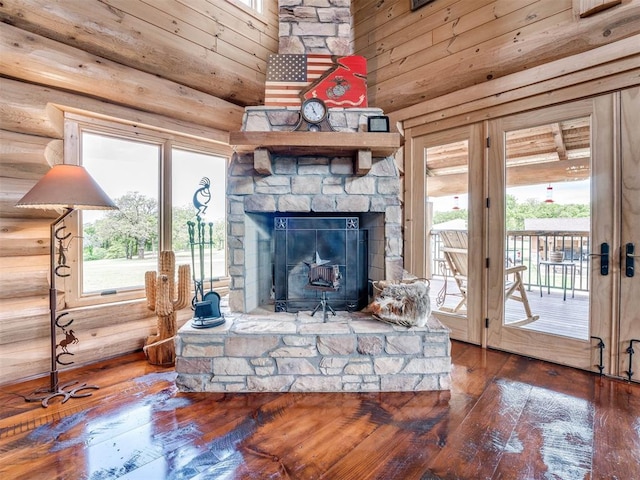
pixel 315 26
pixel 311 184
pixel 282 352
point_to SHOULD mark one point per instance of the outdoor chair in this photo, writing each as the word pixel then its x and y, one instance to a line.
pixel 455 250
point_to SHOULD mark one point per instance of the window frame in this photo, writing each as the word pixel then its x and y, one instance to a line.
pixel 75 124
pixel 254 7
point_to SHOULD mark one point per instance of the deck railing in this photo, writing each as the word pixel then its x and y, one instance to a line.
pixel 529 248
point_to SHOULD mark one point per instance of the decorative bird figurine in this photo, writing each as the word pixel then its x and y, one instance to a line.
pixel 202 196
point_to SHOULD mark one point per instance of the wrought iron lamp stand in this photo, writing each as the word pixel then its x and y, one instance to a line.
pixel 56 269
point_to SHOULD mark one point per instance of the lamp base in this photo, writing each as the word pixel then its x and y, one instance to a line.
pixel 63 391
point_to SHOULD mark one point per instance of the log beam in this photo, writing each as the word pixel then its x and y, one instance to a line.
pixel 36 59
pixel 38 110
pixel 24 276
pixel 23 237
pixel 28 156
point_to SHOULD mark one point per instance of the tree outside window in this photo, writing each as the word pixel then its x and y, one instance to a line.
pixel 116 248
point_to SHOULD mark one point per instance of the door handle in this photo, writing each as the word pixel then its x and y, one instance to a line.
pixel 629 256
pixel 604 258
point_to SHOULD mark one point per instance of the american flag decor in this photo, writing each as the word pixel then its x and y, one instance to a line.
pixel 289 74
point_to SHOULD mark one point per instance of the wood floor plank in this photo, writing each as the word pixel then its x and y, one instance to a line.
pixel 616 442
pixel 556 432
pixel 506 417
pixel 476 448
pixel 370 458
pixel 313 433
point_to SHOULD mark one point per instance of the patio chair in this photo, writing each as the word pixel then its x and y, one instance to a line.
pixel 455 250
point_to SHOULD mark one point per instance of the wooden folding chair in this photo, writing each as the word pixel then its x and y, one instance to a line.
pixel 455 248
pixel 455 251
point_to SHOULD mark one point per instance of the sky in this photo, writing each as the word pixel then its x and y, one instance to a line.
pixel 563 193
pixel 122 166
pixel 111 162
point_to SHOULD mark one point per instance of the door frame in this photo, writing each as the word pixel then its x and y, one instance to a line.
pixel 627 327
pixel 563 350
pixel 417 238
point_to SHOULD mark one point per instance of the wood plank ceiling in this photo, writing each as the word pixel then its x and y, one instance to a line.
pixel 549 153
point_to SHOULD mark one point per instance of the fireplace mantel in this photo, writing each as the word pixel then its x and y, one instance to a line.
pixel 312 143
pixel 362 145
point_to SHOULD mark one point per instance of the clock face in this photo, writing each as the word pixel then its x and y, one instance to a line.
pixel 314 110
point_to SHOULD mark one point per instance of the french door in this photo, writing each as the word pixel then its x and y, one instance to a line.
pixel 628 317
pixel 446 185
pixel 545 209
pixel 583 301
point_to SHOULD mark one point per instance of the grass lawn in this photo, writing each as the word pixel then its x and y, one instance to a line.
pixel 113 274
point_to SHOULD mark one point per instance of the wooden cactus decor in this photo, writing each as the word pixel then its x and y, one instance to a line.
pixel 160 290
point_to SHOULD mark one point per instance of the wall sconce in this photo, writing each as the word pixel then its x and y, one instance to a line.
pixel 67 187
pixel 456 203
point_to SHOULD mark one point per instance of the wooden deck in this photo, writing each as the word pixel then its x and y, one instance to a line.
pixel 506 417
pixel 569 318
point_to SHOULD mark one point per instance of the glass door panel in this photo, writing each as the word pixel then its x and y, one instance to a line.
pixel 451 190
pixel 540 278
pixel 547 222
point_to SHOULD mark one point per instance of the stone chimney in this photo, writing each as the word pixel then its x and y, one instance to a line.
pixel 316 26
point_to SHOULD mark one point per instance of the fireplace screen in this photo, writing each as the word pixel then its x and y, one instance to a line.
pixel 316 256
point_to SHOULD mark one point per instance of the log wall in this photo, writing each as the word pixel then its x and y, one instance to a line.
pixel 191 66
pixel 449 45
pixel 114 59
pixel 212 46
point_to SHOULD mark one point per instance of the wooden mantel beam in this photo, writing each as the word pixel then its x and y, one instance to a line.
pixel 314 143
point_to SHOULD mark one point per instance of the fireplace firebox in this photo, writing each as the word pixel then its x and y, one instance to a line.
pixel 320 257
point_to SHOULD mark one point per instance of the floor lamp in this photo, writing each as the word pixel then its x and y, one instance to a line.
pixel 67 187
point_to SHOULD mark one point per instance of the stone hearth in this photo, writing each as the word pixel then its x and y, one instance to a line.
pixel 281 352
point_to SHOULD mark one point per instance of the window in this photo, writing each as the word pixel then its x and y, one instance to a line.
pixel 120 245
pixel 200 179
pixel 586 8
pixel 254 4
pixel 156 179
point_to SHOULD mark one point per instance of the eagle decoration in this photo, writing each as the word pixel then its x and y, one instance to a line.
pixel 344 85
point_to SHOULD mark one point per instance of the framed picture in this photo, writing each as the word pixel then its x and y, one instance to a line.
pixel 378 124
pixel 415 4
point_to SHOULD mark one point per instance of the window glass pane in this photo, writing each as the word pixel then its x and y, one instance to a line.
pixel 198 189
pixel 447 211
pixel 119 246
pixel 547 215
pixel 255 4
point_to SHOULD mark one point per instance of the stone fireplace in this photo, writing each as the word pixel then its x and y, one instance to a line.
pixel 312 214
pixel 262 347
pixel 316 185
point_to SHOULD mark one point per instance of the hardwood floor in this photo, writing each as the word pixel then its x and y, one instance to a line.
pixel 506 417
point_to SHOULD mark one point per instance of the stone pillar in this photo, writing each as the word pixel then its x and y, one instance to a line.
pixel 316 26
pixel 310 184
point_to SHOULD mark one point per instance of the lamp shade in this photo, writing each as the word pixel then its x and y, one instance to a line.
pixel 67 186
